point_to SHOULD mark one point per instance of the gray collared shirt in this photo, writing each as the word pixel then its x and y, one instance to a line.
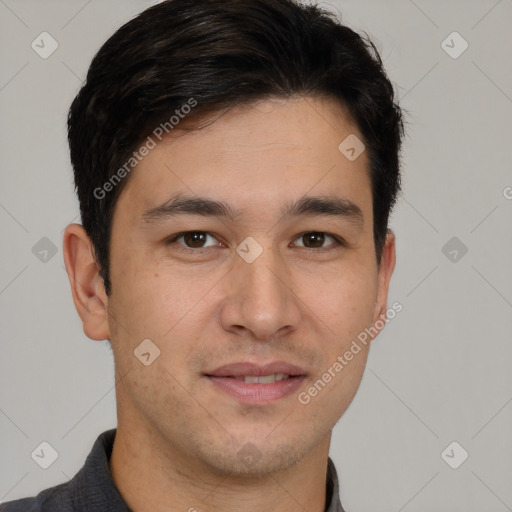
pixel 93 490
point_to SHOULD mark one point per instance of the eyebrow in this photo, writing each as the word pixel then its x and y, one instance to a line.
pixel 306 206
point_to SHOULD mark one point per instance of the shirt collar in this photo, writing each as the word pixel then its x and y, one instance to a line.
pixel 332 483
pixel 93 486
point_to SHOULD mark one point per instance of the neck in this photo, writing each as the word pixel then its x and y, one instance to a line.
pixel 152 476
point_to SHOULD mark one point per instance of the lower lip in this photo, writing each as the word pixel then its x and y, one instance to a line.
pixel 257 393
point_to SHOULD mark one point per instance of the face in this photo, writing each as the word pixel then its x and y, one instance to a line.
pixel 272 262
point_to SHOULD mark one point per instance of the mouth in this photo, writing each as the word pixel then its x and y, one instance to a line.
pixel 257 384
pixel 263 379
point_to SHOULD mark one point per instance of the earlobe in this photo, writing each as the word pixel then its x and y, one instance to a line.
pixel 386 267
pixel 87 286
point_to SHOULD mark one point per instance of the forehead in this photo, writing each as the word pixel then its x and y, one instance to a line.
pixel 258 154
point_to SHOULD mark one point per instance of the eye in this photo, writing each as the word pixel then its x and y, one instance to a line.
pixel 193 239
pixel 199 240
pixel 316 239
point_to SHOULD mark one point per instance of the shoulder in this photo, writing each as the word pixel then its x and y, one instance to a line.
pixel 53 499
pixel 91 488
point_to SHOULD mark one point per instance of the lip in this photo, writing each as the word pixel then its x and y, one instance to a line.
pixel 223 378
pixel 243 369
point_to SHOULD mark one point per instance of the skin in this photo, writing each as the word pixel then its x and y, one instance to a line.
pixel 178 436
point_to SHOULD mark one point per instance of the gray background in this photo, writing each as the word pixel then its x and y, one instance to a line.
pixel 440 371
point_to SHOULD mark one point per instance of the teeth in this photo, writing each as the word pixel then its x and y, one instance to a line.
pixel 264 379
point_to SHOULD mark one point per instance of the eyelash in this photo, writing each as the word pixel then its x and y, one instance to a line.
pixel 338 241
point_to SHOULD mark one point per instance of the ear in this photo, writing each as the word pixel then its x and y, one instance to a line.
pixel 87 287
pixel 386 267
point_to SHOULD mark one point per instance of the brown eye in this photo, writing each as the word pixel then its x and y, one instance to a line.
pixel 195 239
pixel 313 239
pixel 316 240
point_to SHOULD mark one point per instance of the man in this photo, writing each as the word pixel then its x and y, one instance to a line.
pixel 236 162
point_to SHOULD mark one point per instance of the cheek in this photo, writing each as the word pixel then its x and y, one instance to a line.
pixel 168 307
pixel 141 291
pixel 344 303
pixel 346 309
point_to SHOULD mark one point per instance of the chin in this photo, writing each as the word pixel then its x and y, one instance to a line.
pixel 257 458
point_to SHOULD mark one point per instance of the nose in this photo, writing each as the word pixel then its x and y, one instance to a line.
pixel 260 298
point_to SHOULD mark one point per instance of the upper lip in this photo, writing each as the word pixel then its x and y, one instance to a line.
pixel 246 369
